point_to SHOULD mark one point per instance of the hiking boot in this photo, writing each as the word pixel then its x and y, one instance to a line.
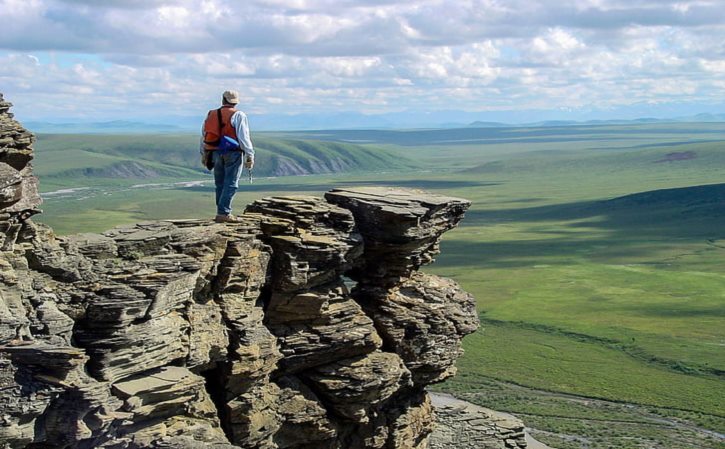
pixel 226 219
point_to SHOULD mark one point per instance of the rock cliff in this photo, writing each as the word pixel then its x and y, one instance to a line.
pixel 305 326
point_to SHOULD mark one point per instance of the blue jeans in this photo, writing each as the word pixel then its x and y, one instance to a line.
pixel 227 170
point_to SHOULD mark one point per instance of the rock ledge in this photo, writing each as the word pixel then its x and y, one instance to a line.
pixel 305 326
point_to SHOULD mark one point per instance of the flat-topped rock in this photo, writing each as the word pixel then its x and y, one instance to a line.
pixel 157 401
pixel 401 228
pixel 396 215
pixel 259 307
pixel 155 383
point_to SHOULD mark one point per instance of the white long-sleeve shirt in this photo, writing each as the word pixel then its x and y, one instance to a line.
pixel 240 122
pixel 241 125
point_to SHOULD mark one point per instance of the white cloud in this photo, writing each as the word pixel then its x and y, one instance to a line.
pixel 301 55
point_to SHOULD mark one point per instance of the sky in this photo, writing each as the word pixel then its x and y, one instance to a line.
pixel 76 60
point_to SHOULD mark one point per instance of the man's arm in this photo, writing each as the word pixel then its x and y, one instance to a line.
pixel 201 140
pixel 241 125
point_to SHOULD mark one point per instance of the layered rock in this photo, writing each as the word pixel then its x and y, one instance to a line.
pixel 422 320
pixel 18 187
pixel 401 228
pixel 420 317
pixel 462 425
pixel 306 325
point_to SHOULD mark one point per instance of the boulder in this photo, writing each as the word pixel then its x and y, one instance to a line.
pixel 353 387
pixel 306 423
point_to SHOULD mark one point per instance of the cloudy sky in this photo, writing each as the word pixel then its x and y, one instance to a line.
pixel 66 60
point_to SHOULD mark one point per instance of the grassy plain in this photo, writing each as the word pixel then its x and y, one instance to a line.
pixel 588 283
pixel 73 160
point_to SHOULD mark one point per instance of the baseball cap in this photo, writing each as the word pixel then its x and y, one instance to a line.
pixel 231 96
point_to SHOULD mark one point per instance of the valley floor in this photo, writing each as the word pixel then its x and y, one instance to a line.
pixel 596 255
pixel 566 421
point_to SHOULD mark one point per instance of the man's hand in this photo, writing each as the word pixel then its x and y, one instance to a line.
pixel 249 163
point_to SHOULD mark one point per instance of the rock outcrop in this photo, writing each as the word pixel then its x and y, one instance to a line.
pixel 305 326
pixel 462 425
pixel 19 198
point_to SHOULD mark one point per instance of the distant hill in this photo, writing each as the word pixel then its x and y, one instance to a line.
pixel 73 159
pixel 637 133
pixel 404 120
pixel 668 157
pixel 698 118
pixel 110 127
pixel 703 118
pixel 480 124
pixel 284 157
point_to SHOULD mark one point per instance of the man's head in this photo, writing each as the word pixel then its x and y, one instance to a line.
pixel 230 97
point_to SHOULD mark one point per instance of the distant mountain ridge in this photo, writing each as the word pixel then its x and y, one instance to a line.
pixel 699 118
pixel 108 127
pixel 343 120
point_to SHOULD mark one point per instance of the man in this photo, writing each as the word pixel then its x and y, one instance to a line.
pixel 227 165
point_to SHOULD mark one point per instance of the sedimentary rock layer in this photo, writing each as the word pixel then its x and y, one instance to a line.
pixel 306 325
pixel 462 425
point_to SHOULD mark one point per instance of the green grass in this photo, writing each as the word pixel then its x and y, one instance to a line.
pixel 585 288
pixel 571 422
pixel 559 363
pixel 68 160
pixel 106 207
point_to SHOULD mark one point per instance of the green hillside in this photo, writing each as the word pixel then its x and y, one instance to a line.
pixel 596 256
pixel 68 160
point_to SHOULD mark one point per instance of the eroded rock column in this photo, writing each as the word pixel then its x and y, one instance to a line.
pixel 331 359
pixel 420 317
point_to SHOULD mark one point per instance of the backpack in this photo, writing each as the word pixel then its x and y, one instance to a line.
pixel 218 124
pixel 219 135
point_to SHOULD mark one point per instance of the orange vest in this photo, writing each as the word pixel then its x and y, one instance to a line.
pixel 218 123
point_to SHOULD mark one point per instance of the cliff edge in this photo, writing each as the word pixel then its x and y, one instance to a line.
pixel 305 326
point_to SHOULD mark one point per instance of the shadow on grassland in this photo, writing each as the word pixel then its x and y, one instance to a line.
pixel 663 210
pixel 624 227
pixel 511 254
pixel 662 144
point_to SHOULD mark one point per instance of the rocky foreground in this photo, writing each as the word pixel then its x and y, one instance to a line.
pixel 305 326
pixel 463 425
